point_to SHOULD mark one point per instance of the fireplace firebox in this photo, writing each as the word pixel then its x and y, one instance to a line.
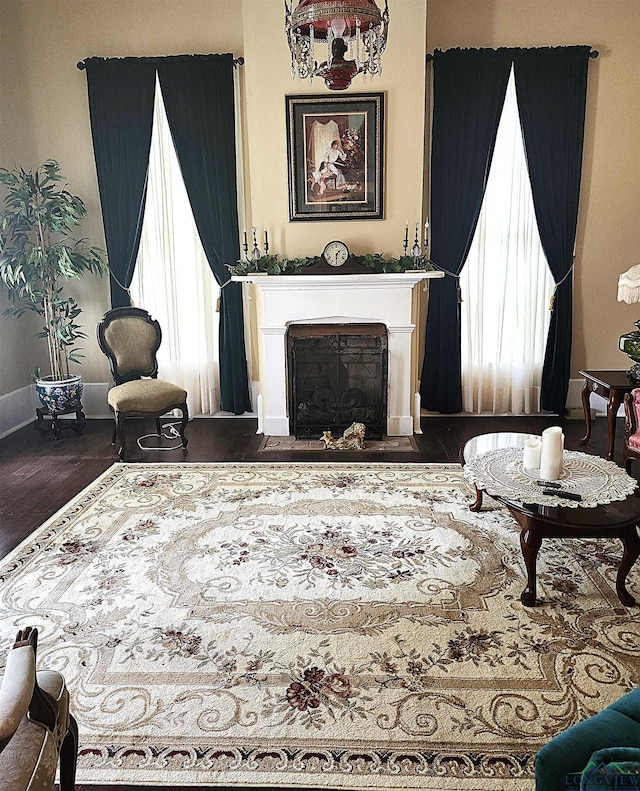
pixel 337 375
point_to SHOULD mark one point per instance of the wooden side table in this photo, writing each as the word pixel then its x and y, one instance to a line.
pixel 611 385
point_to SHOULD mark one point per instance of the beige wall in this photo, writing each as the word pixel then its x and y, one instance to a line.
pixel 18 358
pixel 608 239
pixel 44 114
pixel 268 80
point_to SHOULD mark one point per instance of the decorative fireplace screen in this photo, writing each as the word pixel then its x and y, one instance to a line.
pixel 337 376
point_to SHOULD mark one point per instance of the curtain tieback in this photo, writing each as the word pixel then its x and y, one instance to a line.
pixel 218 301
pixel 451 274
pixel 552 301
pixel 124 288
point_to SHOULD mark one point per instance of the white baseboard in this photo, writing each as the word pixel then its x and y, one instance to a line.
pixel 255 394
pixel 17 409
pixel 574 395
pixel 94 400
pixel 574 404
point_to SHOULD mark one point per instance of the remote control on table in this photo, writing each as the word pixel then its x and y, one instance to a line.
pixel 565 495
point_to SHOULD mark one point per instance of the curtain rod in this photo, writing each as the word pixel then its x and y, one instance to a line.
pixel 593 54
pixel 236 61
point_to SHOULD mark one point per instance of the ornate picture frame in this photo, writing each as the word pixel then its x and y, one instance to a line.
pixel 335 157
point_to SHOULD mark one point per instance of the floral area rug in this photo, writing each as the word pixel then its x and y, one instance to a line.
pixel 346 626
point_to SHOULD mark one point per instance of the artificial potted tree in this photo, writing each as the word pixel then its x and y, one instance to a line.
pixel 36 257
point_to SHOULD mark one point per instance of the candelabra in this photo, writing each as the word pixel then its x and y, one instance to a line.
pixel 256 253
pixel 419 257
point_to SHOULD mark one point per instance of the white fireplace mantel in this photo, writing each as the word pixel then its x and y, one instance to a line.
pixel 283 300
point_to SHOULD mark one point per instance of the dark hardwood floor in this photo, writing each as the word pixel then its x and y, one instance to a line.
pixel 39 474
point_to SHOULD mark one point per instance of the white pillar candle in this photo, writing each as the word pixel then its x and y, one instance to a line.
pixel 531 453
pixel 551 453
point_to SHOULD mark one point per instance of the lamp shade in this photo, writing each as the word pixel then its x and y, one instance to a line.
pixel 323 13
pixel 629 285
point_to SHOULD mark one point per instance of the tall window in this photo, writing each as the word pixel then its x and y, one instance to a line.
pixel 506 286
pixel 172 278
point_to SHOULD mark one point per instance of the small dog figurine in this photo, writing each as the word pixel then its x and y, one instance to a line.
pixel 352 438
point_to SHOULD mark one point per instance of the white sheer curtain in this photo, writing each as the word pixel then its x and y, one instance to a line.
pixel 506 287
pixel 172 279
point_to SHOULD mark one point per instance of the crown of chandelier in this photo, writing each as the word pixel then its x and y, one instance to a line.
pixel 354 32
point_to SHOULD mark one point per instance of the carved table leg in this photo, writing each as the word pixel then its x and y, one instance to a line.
pixel 612 411
pixel 631 543
pixel 477 505
pixel 587 412
pixel 530 541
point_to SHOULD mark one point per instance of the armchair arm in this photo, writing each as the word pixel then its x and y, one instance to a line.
pixel 20 695
pixel 17 689
pixel 604 765
pixel 613 754
pixel 629 416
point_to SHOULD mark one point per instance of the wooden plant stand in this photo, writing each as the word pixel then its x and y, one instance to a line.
pixel 48 421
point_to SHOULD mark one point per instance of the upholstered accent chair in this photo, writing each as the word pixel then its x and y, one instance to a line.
pixel 131 338
pixel 36 727
pixel 631 428
pixel 592 752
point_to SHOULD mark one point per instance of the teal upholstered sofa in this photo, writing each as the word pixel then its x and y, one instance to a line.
pixel 595 745
pixel 613 767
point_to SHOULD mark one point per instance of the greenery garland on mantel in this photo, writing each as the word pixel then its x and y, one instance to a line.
pixel 273 265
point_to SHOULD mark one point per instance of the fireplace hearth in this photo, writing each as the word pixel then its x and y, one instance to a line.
pixel 337 376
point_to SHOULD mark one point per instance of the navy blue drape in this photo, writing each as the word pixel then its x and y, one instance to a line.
pixel 198 95
pixel 551 85
pixel 199 100
pixel 121 93
pixel 469 87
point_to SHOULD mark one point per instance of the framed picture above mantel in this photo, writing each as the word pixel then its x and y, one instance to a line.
pixel 335 157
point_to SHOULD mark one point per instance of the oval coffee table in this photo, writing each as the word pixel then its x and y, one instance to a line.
pixel 613 520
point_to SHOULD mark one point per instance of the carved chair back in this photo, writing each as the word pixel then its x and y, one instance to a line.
pixel 130 338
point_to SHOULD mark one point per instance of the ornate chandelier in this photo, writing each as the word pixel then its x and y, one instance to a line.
pixel 356 28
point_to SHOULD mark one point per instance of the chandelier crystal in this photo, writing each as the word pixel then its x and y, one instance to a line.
pixel 356 29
